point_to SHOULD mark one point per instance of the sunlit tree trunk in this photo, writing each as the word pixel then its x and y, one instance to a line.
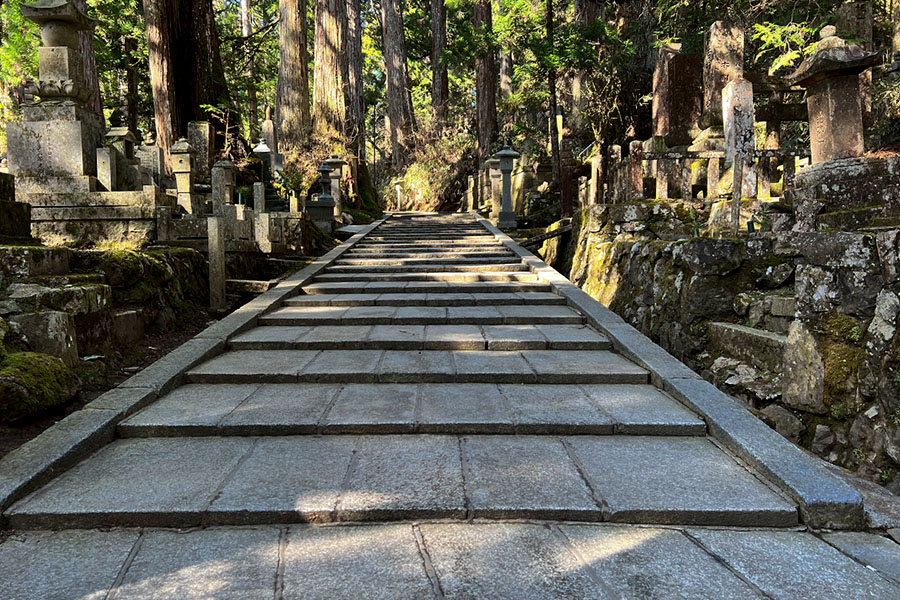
pixel 356 109
pixel 329 111
pixel 249 70
pixel 292 107
pixel 91 79
pixel 440 85
pixel 485 86
pixel 400 119
pixel 551 90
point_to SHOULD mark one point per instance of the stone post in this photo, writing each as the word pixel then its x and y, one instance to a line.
pixel 106 168
pixel 493 164
pixel 222 185
pixel 470 194
pixel 216 236
pixel 615 172
pixel 661 89
pixel 740 138
pixel 595 195
pixel 831 79
pixel 259 197
pixel 336 165
pixel 635 171
pixel 201 137
pixel 723 62
pixel 269 131
pixel 507 218
pixel 183 168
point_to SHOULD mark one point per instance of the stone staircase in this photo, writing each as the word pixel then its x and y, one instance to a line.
pixel 426 374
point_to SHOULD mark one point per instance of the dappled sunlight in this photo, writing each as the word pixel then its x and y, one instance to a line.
pixel 615 540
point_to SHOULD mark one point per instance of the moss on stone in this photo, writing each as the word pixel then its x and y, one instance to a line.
pixel 31 383
pixel 840 344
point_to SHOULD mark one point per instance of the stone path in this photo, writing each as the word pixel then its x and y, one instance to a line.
pixel 428 418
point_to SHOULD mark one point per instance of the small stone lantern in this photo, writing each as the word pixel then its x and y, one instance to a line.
pixel 321 209
pixel 183 168
pixel 507 157
pixel 336 165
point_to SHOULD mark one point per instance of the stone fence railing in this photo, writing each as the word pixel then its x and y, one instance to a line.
pixel 672 172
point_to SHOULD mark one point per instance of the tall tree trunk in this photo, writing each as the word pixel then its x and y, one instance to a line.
pixel 329 111
pixel 186 69
pixel 356 109
pixel 485 86
pixel 400 119
pixel 440 84
pixel 91 79
pixel 129 46
pixel 586 11
pixel 249 70
pixel 551 89
pixel 292 106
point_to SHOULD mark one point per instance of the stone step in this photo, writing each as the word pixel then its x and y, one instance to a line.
pixel 422 337
pixel 418 366
pixel 385 253
pixel 201 481
pixel 762 349
pixel 503 266
pixel 517 314
pixel 252 286
pixel 430 276
pixel 460 259
pixel 427 299
pixel 379 409
pixel 429 243
pixel 428 287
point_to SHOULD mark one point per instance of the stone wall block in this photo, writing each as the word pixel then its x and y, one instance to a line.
pixel 50 333
pixel 804 371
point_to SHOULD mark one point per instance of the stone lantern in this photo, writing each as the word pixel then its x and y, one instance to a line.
pixel 183 169
pixel 321 208
pixel 336 165
pixel 507 157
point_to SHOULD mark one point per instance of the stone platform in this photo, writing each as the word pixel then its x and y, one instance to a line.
pixel 427 411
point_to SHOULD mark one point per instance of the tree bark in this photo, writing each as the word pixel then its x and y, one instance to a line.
pixel 356 109
pixel 329 111
pixel 399 114
pixel 129 46
pixel 292 107
pixel 485 86
pixel 89 58
pixel 440 84
pixel 186 69
pixel 551 89
pixel 249 70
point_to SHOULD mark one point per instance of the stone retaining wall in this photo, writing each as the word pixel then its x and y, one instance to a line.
pixel 831 301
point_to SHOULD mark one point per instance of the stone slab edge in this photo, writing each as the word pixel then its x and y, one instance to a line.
pixel 824 500
pixel 85 431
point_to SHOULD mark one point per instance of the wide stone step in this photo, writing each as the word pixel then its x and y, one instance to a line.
pixel 423 315
pixel 422 337
pixel 194 481
pixel 428 287
pixel 378 409
pixel 385 253
pixel 429 243
pixel 504 266
pixel 418 366
pixel 460 259
pixel 426 299
pixel 522 275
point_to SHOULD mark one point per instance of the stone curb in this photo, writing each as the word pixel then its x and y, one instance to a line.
pixel 824 500
pixel 85 431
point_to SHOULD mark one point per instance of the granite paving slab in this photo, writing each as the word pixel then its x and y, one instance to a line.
pixel 521 314
pixel 383 408
pixel 188 410
pixel 642 563
pixel 285 480
pixel 525 477
pixel 644 410
pixel 281 409
pixel 880 553
pixel 271 366
pixel 574 337
pixel 404 477
pixel 492 366
pixel 677 480
pixel 463 408
pixel 333 337
pixel 789 565
pixel 378 562
pixel 514 337
pixel 555 409
pixel 226 564
pixel 598 366
pixel 150 482
pixel 508 561
pixel 454 337
pixel 338 365
pixel 273 337
pixel 62 565
pixel 398 366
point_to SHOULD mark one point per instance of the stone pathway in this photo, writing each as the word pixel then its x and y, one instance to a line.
pixel 429 418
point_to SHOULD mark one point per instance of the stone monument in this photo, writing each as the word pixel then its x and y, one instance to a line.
pixel 841 189
pixel 723 62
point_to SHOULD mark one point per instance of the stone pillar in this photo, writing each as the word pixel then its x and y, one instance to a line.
pixel 259 198
pixel 201 137
pixel 854 20
pixel 635 172
pixel 661 110
pixel 831 79
pixel 106 169
pixel 595 195
pixel 183 168
pixel 496 195
pixel 216 235
pixel 470 194
pixel 723 62
pixel 336 165
pixel 685 96
pixel 222 185
pixel 739 119
pixel 506 218
pixel 269 131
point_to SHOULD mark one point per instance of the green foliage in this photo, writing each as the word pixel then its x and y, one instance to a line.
pixel 783 45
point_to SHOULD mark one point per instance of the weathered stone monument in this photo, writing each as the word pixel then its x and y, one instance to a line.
pixel 677 95
pixel 723 62
pixel 84 186
pixel 842 189
pixel 738 124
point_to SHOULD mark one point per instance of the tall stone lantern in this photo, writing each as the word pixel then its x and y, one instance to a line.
pixel 337 166
pixel 507 218
pixel 54 148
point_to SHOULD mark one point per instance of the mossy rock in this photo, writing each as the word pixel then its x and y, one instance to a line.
pixel 33 383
